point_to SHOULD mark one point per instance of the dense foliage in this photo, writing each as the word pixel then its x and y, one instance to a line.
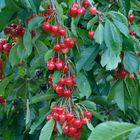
pixel 69 69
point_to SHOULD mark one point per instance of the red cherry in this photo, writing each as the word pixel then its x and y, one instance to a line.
pixel 131 17
pixel 69 82
pixel 93 10
pixel 57 47
pixel 7 47
pixel 132 76
pixel 69 116
pixel 73 11
pixel 60 110
pixel 62 118
pixel 63 46
pixel 67 93
pixel 66 129
pixel 122 73
pixel 60 90
pixel 61 32
pixel 59 64
pixel 55 29
pixel 84 121
pixel 55 86
pixel 77 123
pixel 46 27
pixel 75 5
pixel 86 3
pixel 77 136
pixel 56 116
pixel 7 30
pixel 71 44
pixel 81 11
pixel 62 81
pixel 72 129
pixel 66 68
pixel 139 72
pixel 67 41
pixel 91 34
pixel 49 117
pixel 51 65
pixel 54 109
pixel 88 114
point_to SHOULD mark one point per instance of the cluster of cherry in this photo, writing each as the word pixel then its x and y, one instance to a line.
pixel 15 30
pixel 65 86
pixel 77 9
pixel 71 124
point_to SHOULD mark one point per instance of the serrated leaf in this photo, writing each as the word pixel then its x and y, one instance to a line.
pixel 111 131
pixel 83 85
pixel 99 34
pixel 110 60
pixel 122 27
pixel 112 37
pixel 87 55
pixel 131 62
pixel 47 130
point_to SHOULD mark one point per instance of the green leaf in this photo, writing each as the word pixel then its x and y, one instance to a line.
pixel 37 123
pixel 120 22
pixel 48 55
pixel 56 77
pixel 83 85
pixel 131 62
pixel 13 56
pixel 125 6
pixel 110 60
pixel 92 22
pixel 5 83
pixel 35 22
pixel 47 130
pixel 89 104
pixel 135 134
pixel 27 41
pixel 43 97
pixel 21 51
pixel 111 131
pixel 73 27
pixel 99 34
pixel 41 48
pixel 120 95
pixel 87 55
pixel 112 37
pixel 122 27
